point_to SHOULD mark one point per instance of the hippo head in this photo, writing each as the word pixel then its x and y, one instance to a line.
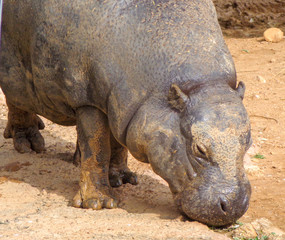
pixel 198 148
pixel 217 135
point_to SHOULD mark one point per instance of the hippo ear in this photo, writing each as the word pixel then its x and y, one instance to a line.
pixel 241 89
pixel 177 98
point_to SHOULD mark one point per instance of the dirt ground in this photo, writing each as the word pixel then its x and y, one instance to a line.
pixel 36 189
pixel 248 18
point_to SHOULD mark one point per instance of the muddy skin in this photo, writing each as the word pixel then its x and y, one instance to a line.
pixel 153 77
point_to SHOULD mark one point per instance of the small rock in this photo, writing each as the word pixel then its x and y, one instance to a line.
pixel 246 231
pixel 253 150
pixel 247 160
pixel 249 163
pixel 44 192
pixel 259 229
pixel 260 79
pixel 264 226
pixel 274 35
pixel 273 60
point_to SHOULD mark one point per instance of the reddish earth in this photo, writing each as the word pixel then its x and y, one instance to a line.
pixel 245 18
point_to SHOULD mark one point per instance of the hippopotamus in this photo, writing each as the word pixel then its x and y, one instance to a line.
pixel 152 77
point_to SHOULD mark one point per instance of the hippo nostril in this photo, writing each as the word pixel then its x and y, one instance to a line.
pixel 224 205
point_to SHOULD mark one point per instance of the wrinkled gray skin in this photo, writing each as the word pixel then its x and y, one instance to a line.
pixel 155 74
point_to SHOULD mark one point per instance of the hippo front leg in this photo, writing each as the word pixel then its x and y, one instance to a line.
pixel 94 144
pixel 119 173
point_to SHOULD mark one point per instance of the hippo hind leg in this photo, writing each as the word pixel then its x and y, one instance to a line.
pixel 24 128
pixel 119 173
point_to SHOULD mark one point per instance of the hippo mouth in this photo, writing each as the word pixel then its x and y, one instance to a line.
pixel 212 206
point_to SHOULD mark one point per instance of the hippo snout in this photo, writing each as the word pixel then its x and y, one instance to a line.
pixel 215 205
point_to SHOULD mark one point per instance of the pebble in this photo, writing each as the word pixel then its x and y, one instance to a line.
pixel 253 150
pixel 247 160
pixel 44 192
pixel 274 35
pixel 273 60
pixel 245 231
pixel 266 227
pixel 260 79
pixel 253 230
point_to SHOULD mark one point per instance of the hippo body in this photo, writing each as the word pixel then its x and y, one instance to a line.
pixel 153 77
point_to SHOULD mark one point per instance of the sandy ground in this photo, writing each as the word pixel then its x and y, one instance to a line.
pixel 36 189
pixel 261 65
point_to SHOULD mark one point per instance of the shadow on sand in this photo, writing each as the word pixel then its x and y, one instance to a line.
pixel 53 172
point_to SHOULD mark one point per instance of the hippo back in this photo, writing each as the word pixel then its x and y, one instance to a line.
pixel 109 54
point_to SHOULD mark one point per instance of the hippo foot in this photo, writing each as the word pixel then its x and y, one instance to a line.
pixel 95 202
pixel 118 177
pixel 119 173
pixel 24 129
